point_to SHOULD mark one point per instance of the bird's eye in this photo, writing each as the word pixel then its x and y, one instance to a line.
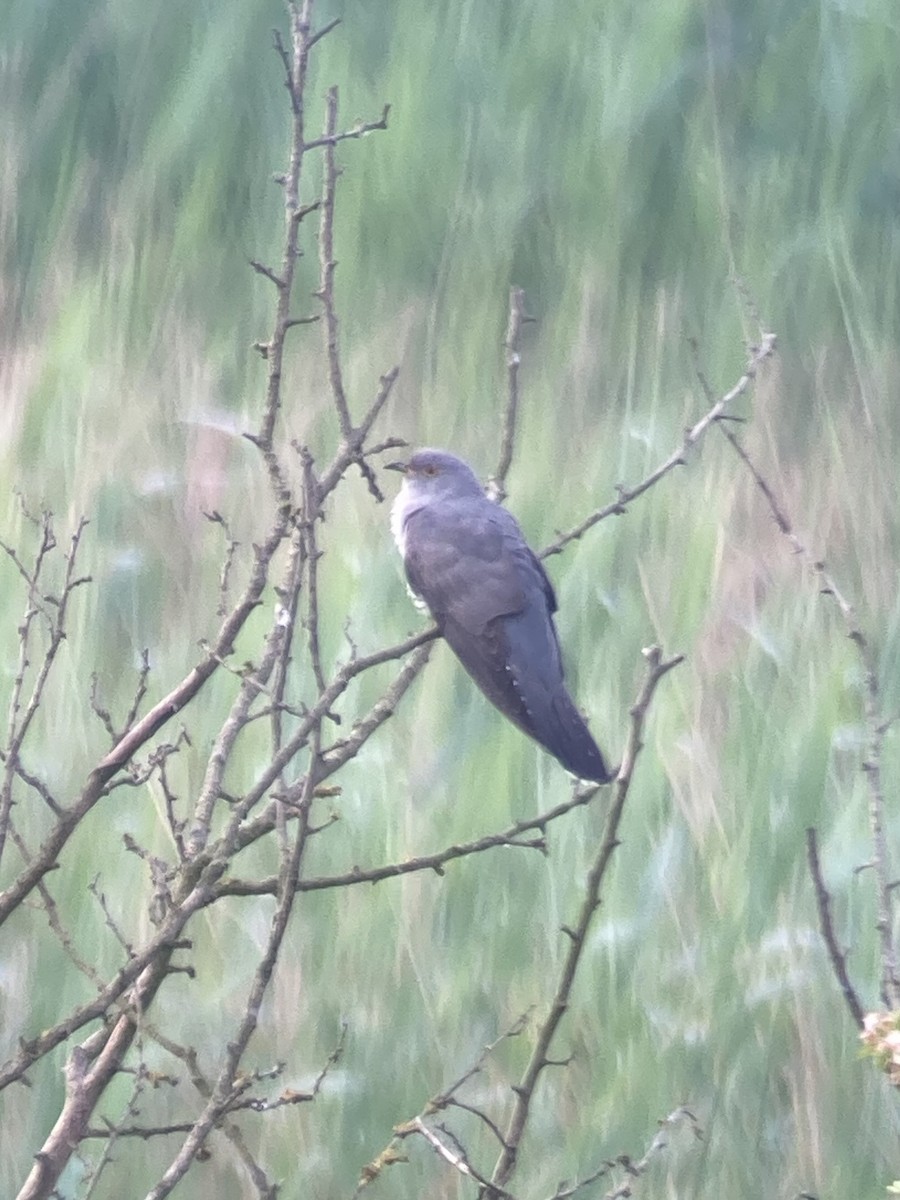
pixel 429 470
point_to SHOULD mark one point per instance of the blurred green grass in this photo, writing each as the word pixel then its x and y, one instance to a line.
pixel 620 164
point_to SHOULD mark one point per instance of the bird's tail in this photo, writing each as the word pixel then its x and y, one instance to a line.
pixel 564 733
pixel 548 713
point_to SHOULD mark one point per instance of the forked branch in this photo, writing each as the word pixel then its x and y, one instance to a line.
pixel 657 668
pixel 876 728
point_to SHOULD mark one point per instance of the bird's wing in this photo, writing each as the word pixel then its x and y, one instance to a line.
pixel 536 676
pixel 492 601
pixel 470 563
pixel 494 604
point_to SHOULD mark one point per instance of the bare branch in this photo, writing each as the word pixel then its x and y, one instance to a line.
pixel 262 269
pixel 692 436
pixel 141 732
pixel 231 549
pixel 360 129
pixel 146 970
pixel 496 488
pixel 295 66
pixel 38 785
pixel 341 752
pixel 876 726
pixel 312 513
pixel 836 956
pixel 229 1086
pixel 456 1159
pixel 324 31
pixel 327 266
pixel 657 668
pixel 54 609
pixel 89 1069
pixel 448 1097
pixel 514 836
pixel 635 1168
pixel 352 451
pixel 287 64
pixel 293 322
pixel 238 833
pixel 253 684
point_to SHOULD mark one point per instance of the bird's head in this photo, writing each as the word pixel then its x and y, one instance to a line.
pixel 431 474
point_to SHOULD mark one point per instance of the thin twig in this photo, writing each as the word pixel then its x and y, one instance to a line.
pixel 443 1100
pixel 233 836
pixel 54 609
pixel 636 1168
pixel 230 1085
pixel 324 31
pixel 837 957
pixel 677 458
pixel 657 668
pixel 515 836
pixel 262 269
pixel 353 451
pixel 231 548
pixel 253 685
pixel 457 1160
pixel 89 1068
pixel 330 138
pixel 312 514
pixel 496 488
pixel 876 727
pixel 327 264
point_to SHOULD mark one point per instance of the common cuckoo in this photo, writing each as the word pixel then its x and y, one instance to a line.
pixel 466 558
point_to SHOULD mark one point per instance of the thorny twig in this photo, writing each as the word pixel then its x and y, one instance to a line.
pixel 232 545
pixel 657 668
pixel 496 488
pixel 876 726
pixel 391 1154
pixel 837 957
pixel 327 267
pixel 495 1187
pixel 92 1065
pixel 636 1168
pixel 517 835
pixel 230 1085
pixel 677 458
pixel 52 611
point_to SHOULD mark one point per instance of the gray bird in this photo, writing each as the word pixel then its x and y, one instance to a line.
pixel 466 558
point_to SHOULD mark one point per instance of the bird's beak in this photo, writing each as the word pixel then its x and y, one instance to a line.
pixel 402 467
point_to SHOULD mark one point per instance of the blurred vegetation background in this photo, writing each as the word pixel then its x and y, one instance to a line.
pixel 622 163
